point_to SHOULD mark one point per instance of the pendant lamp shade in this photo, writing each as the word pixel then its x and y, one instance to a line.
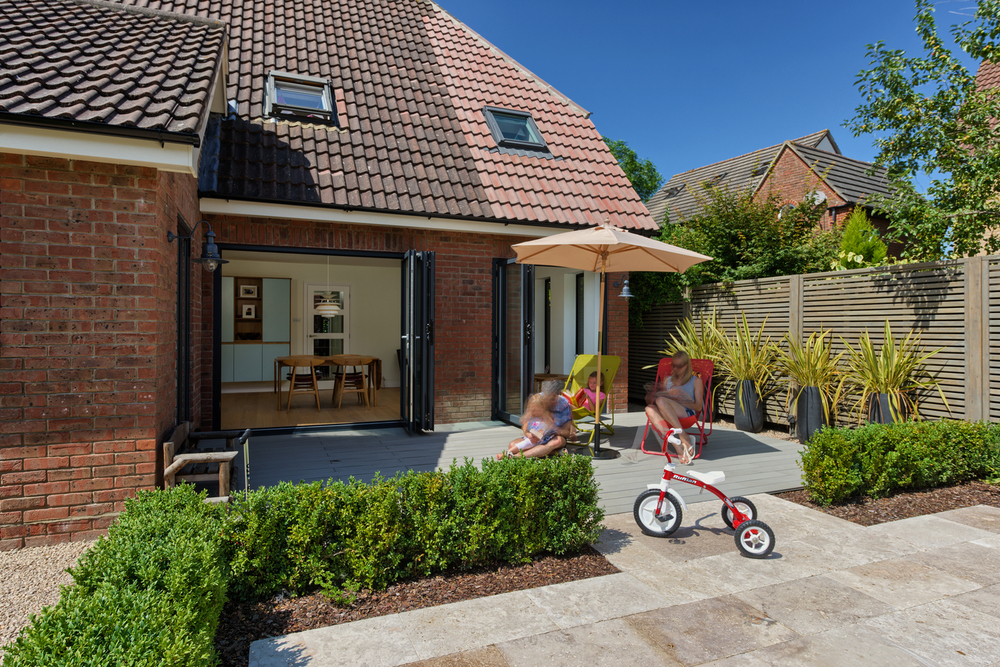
pixel 328 308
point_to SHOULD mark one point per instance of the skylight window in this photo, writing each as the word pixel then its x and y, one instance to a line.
pixel 513 129
pixel 299 96
pixel 715 180
pixel 761 170
pixel 674 191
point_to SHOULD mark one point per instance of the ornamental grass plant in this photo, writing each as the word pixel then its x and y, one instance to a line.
pixel 895 369
pixel 747 356
pixel 699 341
pixel 812 364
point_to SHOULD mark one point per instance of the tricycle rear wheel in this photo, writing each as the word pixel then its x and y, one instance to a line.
pixel 755 539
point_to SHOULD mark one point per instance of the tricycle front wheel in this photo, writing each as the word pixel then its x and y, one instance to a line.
pixel 644 512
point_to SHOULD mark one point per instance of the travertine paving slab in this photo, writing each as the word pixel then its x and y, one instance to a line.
pixel 858 546
pixel 983 517
pixel 741 660
pixel 476 623
pixel 850 646
pixel 814 604
pixel 788 561
pixel 606 644
pixel 702 533
pixel 325 646
pixel 902 583
pixel 709 629
pixel 929 531
pixel 796 525
pixel 944 632
pixel 985 600
pixel 597 599
pixel 967 560
pixel 678 583
pixel 489 656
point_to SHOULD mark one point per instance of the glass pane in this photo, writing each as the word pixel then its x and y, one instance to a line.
pixel 516 128
pixel 299 95
pixel 511 394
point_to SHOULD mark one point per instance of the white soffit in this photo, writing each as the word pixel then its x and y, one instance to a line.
pixel 292 212
pixel 73 145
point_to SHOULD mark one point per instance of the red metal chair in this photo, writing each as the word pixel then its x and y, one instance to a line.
pixel 704 369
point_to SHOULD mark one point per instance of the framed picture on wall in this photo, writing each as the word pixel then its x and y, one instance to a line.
pixel 250 312
pixel 248 291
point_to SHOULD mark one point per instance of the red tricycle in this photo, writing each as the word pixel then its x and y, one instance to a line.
pixel 659 509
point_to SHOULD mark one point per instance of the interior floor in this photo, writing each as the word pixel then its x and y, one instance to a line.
pixel 260 409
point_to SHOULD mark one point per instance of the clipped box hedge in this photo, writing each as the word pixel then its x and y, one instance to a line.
pixel 151 592
pixel 875 460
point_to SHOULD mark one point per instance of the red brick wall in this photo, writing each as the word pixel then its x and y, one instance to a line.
pixel 617 337
pixel 87 314
pixel 792 179
pixel 463 299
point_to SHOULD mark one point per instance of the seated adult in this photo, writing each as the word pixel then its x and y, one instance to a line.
pixel 558 407
pixel 676 403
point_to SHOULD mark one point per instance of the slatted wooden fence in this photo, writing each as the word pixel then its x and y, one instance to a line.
pixel 955 306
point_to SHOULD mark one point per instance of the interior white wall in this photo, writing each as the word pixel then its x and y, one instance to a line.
pixel 375 298
pixel 563 334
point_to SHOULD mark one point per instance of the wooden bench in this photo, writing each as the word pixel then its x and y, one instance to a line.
pixel 180 450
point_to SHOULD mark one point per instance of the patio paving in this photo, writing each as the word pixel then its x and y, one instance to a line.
pixel 692 600
pixel 752 463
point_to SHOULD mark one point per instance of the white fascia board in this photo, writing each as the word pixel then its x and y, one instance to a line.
pixel 293 212
pixel 71 145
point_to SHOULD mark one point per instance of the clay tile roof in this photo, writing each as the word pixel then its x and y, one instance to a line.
pixel 681 194
pixel 411 82
pixel 849 177
pixel 988 75
pixel 99 62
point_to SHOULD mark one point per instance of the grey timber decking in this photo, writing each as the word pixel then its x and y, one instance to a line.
pixel 752 463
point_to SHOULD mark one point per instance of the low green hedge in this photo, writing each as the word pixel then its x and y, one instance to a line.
pixel 148 594
pixel 878 459
pixel 152 591
pixel 298 537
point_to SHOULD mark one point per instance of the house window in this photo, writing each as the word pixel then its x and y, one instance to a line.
pixel 300 96
pixel 513 129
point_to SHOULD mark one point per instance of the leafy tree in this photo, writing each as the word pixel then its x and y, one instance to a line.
pixel 860 246
pixel 640 173
pixel 746 237
pixel 930 118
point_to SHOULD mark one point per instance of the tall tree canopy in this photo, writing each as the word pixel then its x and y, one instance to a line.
pixel 930 118
pixel 746 237
pixel 640 173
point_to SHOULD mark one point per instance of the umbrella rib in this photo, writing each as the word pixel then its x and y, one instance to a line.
pixel 660 259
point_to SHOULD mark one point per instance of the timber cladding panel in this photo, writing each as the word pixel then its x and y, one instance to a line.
pixel 954 306
pixel 645 344
pixel 765 302
pixel 993 348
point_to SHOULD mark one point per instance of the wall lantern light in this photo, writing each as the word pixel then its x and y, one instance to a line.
pixel 209 252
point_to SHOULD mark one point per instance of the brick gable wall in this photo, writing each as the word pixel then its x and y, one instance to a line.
pixel 87 344
pixel 463 300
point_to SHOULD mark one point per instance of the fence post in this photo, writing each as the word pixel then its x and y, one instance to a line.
pixel 976 400
pixel 795 307
pixel 686 302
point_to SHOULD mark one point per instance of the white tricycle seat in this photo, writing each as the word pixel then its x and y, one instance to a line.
pixel 711 478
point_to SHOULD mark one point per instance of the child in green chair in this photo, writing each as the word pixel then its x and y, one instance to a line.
pixel 587 396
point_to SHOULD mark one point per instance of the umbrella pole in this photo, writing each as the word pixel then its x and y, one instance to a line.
pixel 595 437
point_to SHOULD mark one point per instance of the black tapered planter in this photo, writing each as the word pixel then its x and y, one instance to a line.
pixel 749 413
pixel 809 416
pixel 880 409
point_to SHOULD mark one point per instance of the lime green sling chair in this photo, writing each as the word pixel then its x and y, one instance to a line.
pixel 583 366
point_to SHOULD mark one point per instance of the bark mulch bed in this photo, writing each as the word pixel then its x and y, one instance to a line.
pixel 868 512
pixel 242 624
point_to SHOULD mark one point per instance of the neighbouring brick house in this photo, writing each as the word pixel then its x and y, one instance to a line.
pixel 809 166
pixel 348 133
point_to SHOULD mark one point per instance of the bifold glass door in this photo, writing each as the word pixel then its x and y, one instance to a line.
pixel 513 346
pixel 416 349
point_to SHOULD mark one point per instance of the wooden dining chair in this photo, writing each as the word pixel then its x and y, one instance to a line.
pixel 304 382
pixel 352 379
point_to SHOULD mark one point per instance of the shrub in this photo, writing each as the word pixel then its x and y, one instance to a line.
pixel 879 459
pixel 413 524
pixel 150 593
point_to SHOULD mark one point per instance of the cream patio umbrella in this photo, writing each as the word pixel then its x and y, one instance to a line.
pixel 605 248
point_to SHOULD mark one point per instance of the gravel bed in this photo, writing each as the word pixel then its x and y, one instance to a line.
pixel 31 579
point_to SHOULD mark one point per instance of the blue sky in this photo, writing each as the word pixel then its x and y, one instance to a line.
pixel 691 83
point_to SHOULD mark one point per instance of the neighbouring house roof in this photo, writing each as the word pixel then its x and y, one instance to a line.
pixel 103 67
pixel 410 82
pixel 681 196
pixel 988 75
pixel 848 177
